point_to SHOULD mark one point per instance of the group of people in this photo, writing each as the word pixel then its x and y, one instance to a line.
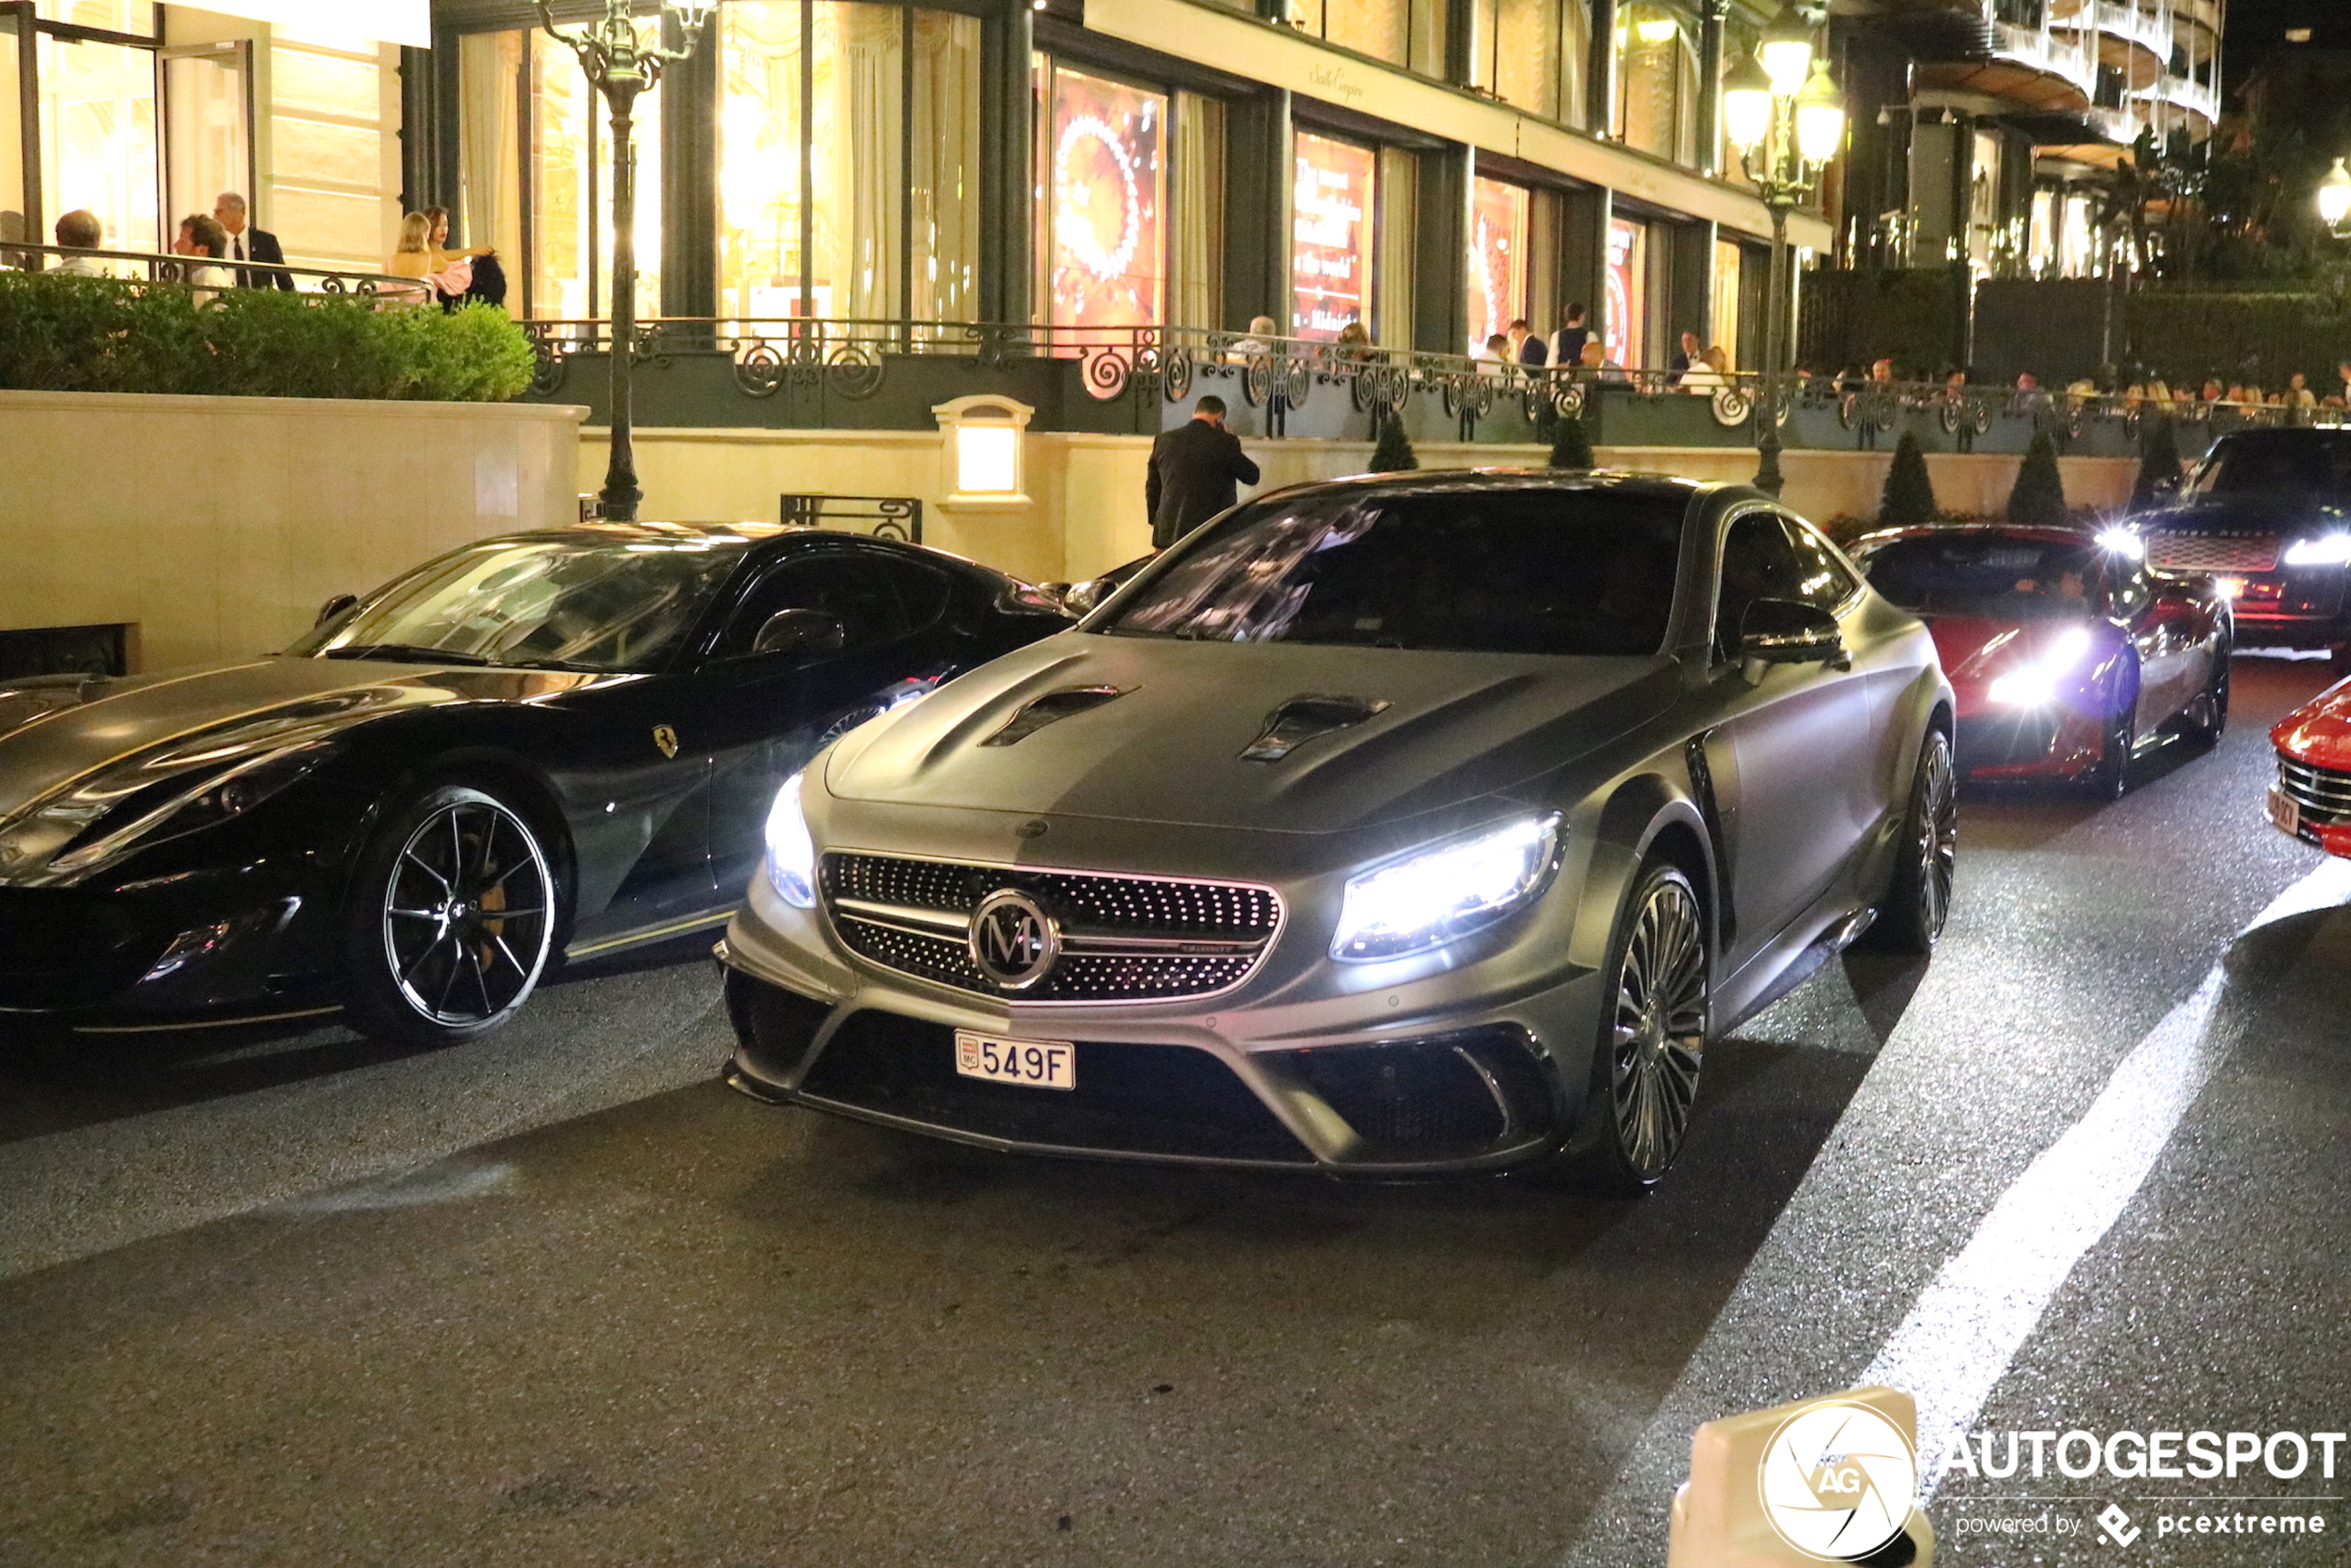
pixel 2297 397
pixel 225 250
pixel 448 277
pixel 1696 367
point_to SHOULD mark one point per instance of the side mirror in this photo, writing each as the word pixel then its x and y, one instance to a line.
pixel 1081 599
pixel 800 631
pixel 334 607
pixel 1788 631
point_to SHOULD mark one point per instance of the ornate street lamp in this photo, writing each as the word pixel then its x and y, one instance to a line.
pixel 1782 112
pixel 2334 200
pixel 621 65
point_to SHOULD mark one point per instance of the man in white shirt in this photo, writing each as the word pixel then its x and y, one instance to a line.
pixel 80 231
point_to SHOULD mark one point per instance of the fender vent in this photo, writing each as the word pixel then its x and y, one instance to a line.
pixel 1051 708
pixel 1307 719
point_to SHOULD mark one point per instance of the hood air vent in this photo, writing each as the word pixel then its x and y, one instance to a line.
pixel 1305 718
pixel 1051 708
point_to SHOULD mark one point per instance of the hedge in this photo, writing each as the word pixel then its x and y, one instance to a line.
pixel 87 334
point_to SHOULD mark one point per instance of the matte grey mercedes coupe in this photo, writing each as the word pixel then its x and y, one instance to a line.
pixel 1395 824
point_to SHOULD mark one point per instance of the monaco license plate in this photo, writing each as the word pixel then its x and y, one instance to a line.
pixel 1033 1064
pixel 2284 812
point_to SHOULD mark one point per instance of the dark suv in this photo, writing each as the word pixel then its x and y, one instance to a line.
pixel 2268 514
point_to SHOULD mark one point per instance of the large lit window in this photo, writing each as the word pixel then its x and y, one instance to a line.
pixel 1497 258
pixel 1104 188
pixel 570 262
pixel 1657 83
pixel 1332 208
pixel 98 147
pixel 889 229
pixel 1519 53
pixel 1405 32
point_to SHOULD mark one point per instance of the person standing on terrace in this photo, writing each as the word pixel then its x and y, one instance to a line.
pixel 250 244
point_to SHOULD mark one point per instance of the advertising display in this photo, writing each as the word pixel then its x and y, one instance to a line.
pixel 1624 329
pixel 1106 192
pixel 1497 258
pixel 1331 236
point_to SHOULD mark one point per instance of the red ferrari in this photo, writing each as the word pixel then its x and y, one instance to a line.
pixel 2311 799
pixel 2065 654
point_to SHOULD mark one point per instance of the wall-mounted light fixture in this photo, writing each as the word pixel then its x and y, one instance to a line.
pixel 986 450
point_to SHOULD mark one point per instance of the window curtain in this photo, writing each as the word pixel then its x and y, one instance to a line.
pixel 860 146
pixel 1527 42
pixel 490 141
pixel 1196 296
pixel 944 166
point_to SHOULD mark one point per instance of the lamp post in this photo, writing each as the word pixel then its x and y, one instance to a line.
pixel 1782 114
pixel 620 65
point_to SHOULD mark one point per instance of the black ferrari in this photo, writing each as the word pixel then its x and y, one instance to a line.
pixel 535 748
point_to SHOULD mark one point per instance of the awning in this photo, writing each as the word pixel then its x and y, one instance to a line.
pixel 382 22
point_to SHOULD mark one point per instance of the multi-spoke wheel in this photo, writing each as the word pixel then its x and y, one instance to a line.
pixel 1653 1034
pixel 449 919
pixel 1919 899
pixel 2207 717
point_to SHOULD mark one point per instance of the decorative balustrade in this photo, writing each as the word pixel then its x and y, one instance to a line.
pixel 158 266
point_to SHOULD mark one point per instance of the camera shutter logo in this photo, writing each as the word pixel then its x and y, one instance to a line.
pixel 1838 1479
pixel 1013 940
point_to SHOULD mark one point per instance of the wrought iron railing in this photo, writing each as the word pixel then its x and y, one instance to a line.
pixel 156 266
pixel 852 359
pixel 856 359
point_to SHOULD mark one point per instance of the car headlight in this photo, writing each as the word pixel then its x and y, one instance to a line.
pixel 190 807
pixel 1439 895
pixel 791 853
pixel 2034 684
pixel 2326 550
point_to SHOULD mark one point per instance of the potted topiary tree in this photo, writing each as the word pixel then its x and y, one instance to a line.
pixel 1570 448
pixel 1909 498
pixel 2038 500
pixel 1392 454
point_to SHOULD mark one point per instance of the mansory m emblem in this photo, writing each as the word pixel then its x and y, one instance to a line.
pixel 1013 940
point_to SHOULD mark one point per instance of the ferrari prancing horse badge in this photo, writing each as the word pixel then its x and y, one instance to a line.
pixel 666 739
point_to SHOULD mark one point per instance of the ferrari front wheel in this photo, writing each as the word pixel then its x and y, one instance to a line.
pixel 449 919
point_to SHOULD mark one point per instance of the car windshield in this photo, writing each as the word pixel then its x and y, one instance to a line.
pixel 2292 463
pixel 1472 570
pixel 1997 575
pixel 544 604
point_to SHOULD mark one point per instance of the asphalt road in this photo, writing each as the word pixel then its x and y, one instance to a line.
pixel 557 1297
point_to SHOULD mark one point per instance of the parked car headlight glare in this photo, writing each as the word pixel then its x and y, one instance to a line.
pixel 2326 550
pixel 1441 894
pixel 2034 684
pixel 791 853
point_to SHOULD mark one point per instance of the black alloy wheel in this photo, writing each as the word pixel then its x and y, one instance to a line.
pixel 450 921
pixel 1656 1017
pixel 2110 779
pixel 2207 717
pixel 1919 899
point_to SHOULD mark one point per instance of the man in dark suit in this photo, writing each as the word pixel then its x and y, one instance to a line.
pixel 250 244
pixel 1194 472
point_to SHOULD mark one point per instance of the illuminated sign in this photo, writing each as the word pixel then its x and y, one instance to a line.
pixel 1497 258
pixel 1331 236
pixel 1626 254
pixel 1108 183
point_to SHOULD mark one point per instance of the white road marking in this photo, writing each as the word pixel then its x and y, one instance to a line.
pixel 1965 1327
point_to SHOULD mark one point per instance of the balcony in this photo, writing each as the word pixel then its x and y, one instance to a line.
pixel 2179 93
pixel 2127 39
pixel 2028 67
